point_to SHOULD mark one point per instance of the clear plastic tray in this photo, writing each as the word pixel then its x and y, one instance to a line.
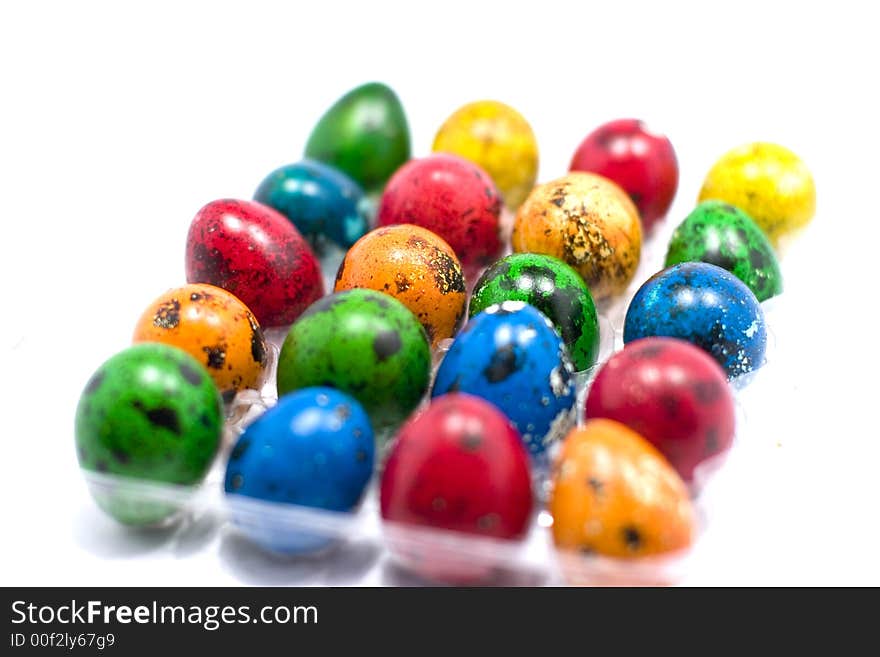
pixel 434 556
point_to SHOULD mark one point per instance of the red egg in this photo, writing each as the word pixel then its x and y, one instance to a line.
pixel 254 252
pixel 672 393
pixel 642 162
pixel 451 197
pixel 459 465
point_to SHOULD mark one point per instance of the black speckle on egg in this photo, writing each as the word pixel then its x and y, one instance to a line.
pixel 503 363
pixel 632 537
pixel 216 356
pixel 167 315
pixel 191 374
pixel 386 344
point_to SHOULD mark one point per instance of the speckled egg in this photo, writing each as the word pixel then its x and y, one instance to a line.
pixel 638 159
pixel 323 203
pixel 362 342
pixel 498 139
pixel 214 327
pixel 314 449
pixel 511 356
pixel 552 287
pixel 720 234
pixel 254 252
pixel 671 393
pixel 417 268
pixel 587 221
pixel 615 495
pixel 364 134
pixel 705 305
pixel 151 412
pixel 459 465
pixel 451 197
pixel 769 183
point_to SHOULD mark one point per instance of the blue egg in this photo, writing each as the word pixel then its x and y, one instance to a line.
pixel 314 449
pixel 322 202
pixel 511 356
pixel 705 305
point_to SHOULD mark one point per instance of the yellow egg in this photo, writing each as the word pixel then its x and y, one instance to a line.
pixel 769 183
pixel 497 138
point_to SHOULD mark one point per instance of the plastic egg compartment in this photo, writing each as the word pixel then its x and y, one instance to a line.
pixel 426 555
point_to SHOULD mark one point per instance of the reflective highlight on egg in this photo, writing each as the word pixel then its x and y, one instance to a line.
pixel 498 139
pixel 588 222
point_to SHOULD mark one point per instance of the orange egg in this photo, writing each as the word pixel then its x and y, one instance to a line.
pixel 415 266
pixel 213 326
pixel 588 222
pixel 614 494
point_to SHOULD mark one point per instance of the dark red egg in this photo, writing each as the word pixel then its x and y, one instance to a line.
pixel 459 465
pixel 672 393
pixel 642 162
pixel 451 197
pixel 256 254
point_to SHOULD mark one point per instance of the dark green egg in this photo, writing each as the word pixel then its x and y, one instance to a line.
pixel 362 342
pixel 552 287
pixel 150 412
pixel 725 236
pixel 365 134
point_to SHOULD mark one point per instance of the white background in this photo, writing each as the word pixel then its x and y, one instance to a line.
pixel 118 122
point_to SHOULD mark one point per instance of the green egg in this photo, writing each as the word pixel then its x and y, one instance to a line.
pixel 723 235
pixel 151 412
pixel 552 287
pixel 365 134
pixel 362 342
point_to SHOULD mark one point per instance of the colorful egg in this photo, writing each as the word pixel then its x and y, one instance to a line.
pixel 511 356
pixel 451 197
pixel 705 305
pixel 151 412
pixel 364 134
pixel 323 203
pixel 552 287
pixel 672 394
pixel 642 162
pixel 252 251
pixel 314 449
pixel 215 328
pixel 499 140
pixel 417 268
pixel 364 343
pixel 459 465
pixel 615 495
pixel 587 221
pixel 720 234
pixel 769 183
